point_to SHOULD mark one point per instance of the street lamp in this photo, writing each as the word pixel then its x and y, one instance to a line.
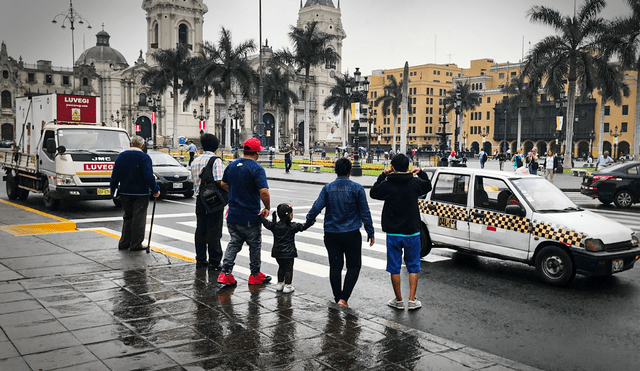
pixel 457 105
pixel 504 146
pixel 464 137
pixel 561 105
pixel 153 101
pixel 202 118
pixel 373 116
pixel 72 16
pixel 615 136
pixel 592 136
pixel 357 93
pixel 235 114
pixel 116 118
pixel 484 135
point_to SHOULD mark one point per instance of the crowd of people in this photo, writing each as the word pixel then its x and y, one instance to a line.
pixel 344 202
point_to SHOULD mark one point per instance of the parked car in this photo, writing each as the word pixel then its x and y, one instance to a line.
pixel 172 177
pixel 6 143
pixel 522 218
pixel 618 183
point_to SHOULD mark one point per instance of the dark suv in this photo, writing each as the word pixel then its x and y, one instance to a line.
pixel 619 183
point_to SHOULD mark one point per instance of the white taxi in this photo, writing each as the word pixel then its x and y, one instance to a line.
pixel 522 218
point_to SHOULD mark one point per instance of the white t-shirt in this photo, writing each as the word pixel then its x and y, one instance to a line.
pixel 548 162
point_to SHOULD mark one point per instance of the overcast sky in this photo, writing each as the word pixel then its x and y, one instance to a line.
pixel 380 34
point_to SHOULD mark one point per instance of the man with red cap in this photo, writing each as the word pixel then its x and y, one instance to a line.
pixel 247 182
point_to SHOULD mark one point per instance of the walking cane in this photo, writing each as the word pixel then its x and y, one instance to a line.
pixel 153 213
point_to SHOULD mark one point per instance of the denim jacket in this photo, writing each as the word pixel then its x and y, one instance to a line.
pixel 347 207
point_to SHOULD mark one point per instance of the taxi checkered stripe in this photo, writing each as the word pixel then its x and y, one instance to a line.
pixel 444 210
pixel 567 236
pixel 500 220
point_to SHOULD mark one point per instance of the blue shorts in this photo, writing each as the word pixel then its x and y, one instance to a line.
pixel 411 245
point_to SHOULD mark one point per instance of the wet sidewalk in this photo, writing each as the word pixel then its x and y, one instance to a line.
pixel 70 300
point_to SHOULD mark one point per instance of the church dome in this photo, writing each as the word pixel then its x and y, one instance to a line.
pixel 328 3
pixel 102 53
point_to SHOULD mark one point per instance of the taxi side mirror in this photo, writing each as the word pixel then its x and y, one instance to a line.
pixel 515 210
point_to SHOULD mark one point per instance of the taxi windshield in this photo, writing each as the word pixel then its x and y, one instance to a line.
pixel 543 196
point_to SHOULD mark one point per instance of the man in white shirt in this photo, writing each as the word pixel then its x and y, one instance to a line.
pixel 604 160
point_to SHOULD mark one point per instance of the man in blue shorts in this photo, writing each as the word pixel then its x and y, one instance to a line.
pixel 400 189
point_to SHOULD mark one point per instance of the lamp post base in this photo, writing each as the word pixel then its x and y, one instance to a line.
pixel 356 169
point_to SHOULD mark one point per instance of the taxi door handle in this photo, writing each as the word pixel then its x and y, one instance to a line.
pixel 431 207
pixel 478 215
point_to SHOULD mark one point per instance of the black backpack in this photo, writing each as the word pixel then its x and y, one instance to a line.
pixel 212 196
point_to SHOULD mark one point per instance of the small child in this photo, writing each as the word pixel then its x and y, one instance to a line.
pixel 284 246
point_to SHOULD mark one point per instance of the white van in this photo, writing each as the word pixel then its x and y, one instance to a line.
pixel 523 218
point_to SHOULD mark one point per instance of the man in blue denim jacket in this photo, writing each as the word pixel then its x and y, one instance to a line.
pixel 132 176
pixel 347 210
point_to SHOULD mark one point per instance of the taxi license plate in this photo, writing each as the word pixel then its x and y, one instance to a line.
pixel 104 191
pixel 178 185
pixel 617 265
pixel 447 223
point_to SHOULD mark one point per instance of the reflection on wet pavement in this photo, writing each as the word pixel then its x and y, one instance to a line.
pixel 177 317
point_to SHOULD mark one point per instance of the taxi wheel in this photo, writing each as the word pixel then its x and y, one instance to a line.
pixel 623 199
pixel 425 241
pixel 554 266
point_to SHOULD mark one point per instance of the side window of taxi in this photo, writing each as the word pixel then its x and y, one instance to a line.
pixel 634 170
pixel 492 194
pixel 452 188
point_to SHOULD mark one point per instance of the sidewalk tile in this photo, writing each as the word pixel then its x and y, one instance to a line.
pixel 90 366
pixel 14 364
pixel 153 360
pixel 60 358
pixel 102 333
pixel 120 347
pixel 8 350
pixel 39 344
pixel 32 329
pixel 19 306
pixel 17 318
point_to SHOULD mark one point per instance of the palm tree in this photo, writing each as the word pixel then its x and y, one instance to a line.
pixel 172 68
pixel 392 98
pixel 311 47
pixel 567 57
pixel 468 99
pixel 340 101
pixel 627 34
pixel 520 97
pixel 277 94
pixel 227 64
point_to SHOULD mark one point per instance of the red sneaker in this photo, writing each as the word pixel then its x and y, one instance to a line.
pixel 259 279
pixel 226 279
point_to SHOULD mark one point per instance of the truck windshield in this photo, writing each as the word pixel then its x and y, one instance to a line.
pixel 543 196
pixel 93 140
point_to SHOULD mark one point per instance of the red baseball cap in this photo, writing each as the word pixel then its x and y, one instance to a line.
pixel 252 145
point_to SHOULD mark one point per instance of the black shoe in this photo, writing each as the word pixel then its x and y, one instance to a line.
pixel 203 264
pixel 137 248
pixel 215 267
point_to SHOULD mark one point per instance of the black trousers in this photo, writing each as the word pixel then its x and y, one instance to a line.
pixel 285 270
pixel 341 246
pixel 192 155
pixel 135 219
pixel 208 234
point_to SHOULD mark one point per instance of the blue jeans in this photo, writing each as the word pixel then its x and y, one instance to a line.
pixel 241 233
pixel 287 164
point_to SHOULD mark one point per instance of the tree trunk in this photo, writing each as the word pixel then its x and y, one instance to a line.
pixel 175 115
pixel 568 152
pixel 405 109
pixel 276 130
pixel 307 103
pixel 344 127
pixel 227 122
pixel 601 131
pixel 395 121
pixel 519 142
pixel 636 131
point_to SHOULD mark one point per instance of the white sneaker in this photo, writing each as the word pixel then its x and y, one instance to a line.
pixel 398 304
pixel 288 289
pixel 279 286
pixel 414 304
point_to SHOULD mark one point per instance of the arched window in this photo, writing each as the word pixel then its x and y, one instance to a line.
pixel 6 99
pixel 155 33
pixel 185 106
pixel 143 99
pixel 85 81
pixel 183 32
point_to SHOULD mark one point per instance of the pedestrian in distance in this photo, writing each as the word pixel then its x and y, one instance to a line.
pixel 287 159
pixel 604 160
pixel 132 181
pixel 346 210
pixel 284 244
pixel 246 181
pixel 518 160
pixel 532 162
pixel 550 166
pixel 400 189
pixel 192 149
pixel 502 158
pixel 483 158
pixel 208 225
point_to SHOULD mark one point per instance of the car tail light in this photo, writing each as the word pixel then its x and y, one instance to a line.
pixel 603 178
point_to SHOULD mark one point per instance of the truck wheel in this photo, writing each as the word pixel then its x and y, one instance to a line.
pixel 425 241
pixel 13 192
pixel 49 202
pixel 554 266
pixel 623 199
pixel 23 194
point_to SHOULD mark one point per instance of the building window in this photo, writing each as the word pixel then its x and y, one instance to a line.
pixel 606 127
pixel 85 81
pixel 6 99
pixel 607 111
pixel 185 106
pixel 501 75
pixel 623 128
pixel 513 74
pixel 488 115
pixel 488 99
pixel 48 79
pixel 142 101
pixel 183 31
pixel 65 80
pixel 5 74
pixel 625 110
pixel 31 77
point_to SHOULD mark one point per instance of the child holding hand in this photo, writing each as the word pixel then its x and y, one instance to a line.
pixel 284 246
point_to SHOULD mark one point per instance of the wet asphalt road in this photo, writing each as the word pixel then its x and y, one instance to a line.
pixel 499 307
